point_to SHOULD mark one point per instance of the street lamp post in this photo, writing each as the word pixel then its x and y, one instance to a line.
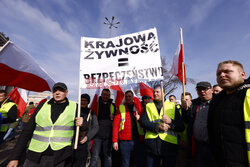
pixel 111 24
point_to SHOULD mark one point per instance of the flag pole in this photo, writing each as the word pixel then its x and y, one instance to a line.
pixel 183 80
pixel 162 93
pixel 78 114
pixel 182 64
pixel 79 107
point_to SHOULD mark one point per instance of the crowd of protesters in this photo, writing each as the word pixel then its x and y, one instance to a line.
pixel 211 130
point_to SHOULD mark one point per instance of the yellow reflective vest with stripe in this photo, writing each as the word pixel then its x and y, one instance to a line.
pixel 154 116
pixel 4 110
pixel 57 135
pixel 122 110
pixel 247 122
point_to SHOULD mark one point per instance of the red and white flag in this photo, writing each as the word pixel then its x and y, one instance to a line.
pixel 18 68
pixel 118 94
pixel 146 90
pixel 177 68
pixel 19 96
pixel 94 104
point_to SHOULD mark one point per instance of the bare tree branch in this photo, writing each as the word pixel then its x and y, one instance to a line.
pixel 3 39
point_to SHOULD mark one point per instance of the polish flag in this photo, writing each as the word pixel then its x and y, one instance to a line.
pixel 18 68
pixel 178 61
pixel 146 90
pixel 94 104
pixel 119 94
pixel 19 96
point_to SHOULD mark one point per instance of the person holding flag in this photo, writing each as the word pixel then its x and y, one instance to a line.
pixel 50 131
pixel 161 120
pixel 195 114
pixel 8 109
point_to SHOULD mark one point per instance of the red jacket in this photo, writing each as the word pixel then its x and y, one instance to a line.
pixel 126 133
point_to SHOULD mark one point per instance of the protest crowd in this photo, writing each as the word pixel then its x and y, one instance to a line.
pixel 212 130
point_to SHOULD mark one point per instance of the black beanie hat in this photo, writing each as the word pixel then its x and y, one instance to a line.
pixel 85 96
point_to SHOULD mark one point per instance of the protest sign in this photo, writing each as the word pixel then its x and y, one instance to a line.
pixel 119 60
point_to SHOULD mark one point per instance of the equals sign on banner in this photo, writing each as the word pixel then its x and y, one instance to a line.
pixel 122 62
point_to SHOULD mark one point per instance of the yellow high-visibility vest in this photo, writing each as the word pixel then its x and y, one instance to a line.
pixel 57 135
pixel 154 116
pixel 247 121
pixel 4 109
pixel 122 110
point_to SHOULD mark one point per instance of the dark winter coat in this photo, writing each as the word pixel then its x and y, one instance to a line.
pixel 226 127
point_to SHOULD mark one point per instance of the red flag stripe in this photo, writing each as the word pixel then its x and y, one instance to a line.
pixel 18 68
pixel 119 95
pixel 178 60
pixel 16 97
pixel 94 105
pixel 146 90
pixel 28 81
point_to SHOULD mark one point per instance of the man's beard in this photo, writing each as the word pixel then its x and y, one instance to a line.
pixel 232 87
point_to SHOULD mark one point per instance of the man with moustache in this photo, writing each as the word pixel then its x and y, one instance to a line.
pixel 229 116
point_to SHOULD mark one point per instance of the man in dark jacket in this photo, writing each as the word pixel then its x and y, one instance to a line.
pixel 88 131
pixel 196 117
pixel 51 131
pixel 160 137
pixel 228 121
pixel 103 139
pixel 8 110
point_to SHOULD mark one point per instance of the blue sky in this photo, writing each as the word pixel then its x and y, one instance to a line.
pixel 50 30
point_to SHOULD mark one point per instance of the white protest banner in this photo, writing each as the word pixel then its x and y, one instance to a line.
pixel 119 60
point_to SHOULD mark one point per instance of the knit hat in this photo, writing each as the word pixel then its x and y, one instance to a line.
pixel 85 96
